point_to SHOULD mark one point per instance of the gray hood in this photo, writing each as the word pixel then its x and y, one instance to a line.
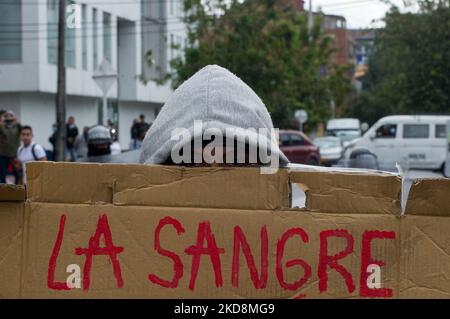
pixel 220 100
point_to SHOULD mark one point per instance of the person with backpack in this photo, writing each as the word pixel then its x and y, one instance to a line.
pixel 9 142
pixel 28 151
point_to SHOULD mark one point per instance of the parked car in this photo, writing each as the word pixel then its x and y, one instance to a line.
pixel 418 142
pixel 298 148
pixel 331 149
pixel 129 157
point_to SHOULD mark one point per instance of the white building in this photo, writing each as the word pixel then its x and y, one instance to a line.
pixel 121 31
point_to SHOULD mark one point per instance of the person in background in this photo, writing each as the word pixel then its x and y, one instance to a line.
pixel 52 139
pixel 141 130
pixel 115 145
pixel 9 142
pixel 222 101
pixel 80 144
pixel 113 129
pixel 138 131
pixel 99 141
pixel 71 135
pixel 134 134
pixel 116 148
pixel 143 127
pixel 29 151
pixel 142 123
pixel 2 112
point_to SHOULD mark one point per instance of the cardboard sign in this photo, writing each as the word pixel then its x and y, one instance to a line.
pixel 135 231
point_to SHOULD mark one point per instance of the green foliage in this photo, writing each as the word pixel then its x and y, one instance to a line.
pixel 267 44
pixel 409 71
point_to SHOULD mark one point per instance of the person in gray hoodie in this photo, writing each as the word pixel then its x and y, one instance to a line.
pixel 214 105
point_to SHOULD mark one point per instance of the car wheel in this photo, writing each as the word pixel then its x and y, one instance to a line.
pixel 443 170
pixel 363 159
pixel 312 162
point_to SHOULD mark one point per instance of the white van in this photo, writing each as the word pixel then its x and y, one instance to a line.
pixel 419 142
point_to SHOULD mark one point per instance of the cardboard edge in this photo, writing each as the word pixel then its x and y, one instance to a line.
pixel 335 191
pixel 12 193
pixel 429 197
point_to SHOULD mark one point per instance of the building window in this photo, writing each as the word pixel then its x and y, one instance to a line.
pixel 84 36
pixel 70 48
pixel 94 38
pixel 52 31
pixel 172 44
pixel 107 36
pixel 52 36
pixel 172 5
pixel 180 47
pixel 10 31
pixel 179 8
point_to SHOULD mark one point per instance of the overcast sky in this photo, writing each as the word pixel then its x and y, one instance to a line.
pixel 359 13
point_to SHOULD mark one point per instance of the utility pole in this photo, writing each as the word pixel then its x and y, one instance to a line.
pixel 60 143
pixel 310 17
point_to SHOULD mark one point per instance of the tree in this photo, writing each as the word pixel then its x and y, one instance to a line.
pixel 409 71
pixel 268 45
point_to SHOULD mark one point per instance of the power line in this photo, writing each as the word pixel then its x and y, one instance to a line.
pixel 88 36
pixel 132 2
pixel 143 22
pixel 362 3
pixel 120 2
pixel 338 4
pixel 179 19
pixel 90 25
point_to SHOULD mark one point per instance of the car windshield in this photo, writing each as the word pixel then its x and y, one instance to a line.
pixel 348 135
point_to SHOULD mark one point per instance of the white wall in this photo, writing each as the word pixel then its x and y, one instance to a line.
pixel 38 111
pixel 129 9
pixel 83 109
pixel 10 101
pixel 127 65
pixel 42 107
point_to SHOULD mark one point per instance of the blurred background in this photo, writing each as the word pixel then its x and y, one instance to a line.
pixel 349 83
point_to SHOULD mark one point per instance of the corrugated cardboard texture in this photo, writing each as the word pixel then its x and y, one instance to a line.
pixel 426 240
pixel 353 219
pixel 425 259
pixel 350 192
pixel 429 197
pixel 157 186
pixel 133 228
pixel 11 193
pixel 11 230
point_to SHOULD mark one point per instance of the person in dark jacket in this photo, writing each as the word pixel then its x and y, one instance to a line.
pixel 134 134
pixel 71 135
pixel 81 143
pixel 9 143
pixel 138 131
